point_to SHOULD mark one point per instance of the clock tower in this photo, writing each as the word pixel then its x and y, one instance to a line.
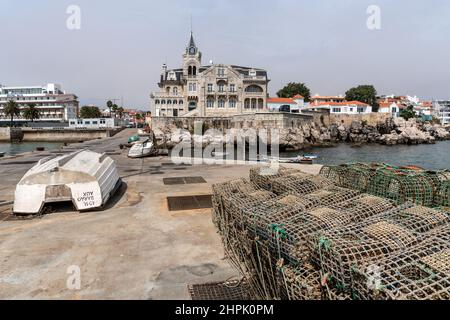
pixel 192 59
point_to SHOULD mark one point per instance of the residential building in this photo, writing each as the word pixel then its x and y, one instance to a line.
pixel 345 107
pixel 317 99
pixel 389 107
pixel 53 103
pixel 98 123
pixel 441 110
pixel 212 90
pixel 282 105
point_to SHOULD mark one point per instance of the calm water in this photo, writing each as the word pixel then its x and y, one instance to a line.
pixel 16 148
pixel 432 157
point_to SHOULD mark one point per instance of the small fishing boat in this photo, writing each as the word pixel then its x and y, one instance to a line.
pixel 85 178
pixel 310 156
pixel 141 149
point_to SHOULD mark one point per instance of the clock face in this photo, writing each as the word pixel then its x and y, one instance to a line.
pixel 191 50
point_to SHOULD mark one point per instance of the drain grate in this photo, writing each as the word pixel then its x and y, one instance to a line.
pixel 183 180
pixel 189 202
pixel 229 290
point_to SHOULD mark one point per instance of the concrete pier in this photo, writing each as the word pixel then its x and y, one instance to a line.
pixel 135 249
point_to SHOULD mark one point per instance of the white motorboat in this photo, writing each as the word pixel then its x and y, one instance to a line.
pixel 141 149
pixel 85 178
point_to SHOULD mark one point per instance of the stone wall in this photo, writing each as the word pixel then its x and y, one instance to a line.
pixel 371 119
pixel 258 120
pixel 65 135
pixel 10 134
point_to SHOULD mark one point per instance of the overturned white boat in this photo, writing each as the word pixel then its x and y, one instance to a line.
pixel 142 149
pixel 87 179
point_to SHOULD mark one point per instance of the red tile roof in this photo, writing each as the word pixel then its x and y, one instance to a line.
pixel 298 97
pixel 281 100
pixel 343 103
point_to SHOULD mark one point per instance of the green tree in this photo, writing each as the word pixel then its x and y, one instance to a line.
pixel 408 113
pixel 120 112
pixel 363 93
pixel 12 110
pixel 114 108
pixel 31 112
pixel 90 112
pixel 292 89
pixel 109 105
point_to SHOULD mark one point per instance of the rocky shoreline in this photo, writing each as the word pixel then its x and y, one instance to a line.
pixel 393 131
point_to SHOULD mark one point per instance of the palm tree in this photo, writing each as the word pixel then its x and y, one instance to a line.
pixel 109 105
pixel 120 112
pixel 114 109
pixel 12 109
pixel 31 112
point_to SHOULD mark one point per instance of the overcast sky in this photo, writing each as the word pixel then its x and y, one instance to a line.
pixel 119 50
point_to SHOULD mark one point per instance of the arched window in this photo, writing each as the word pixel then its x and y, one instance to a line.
pixel 221 103
pixel 210 103
pixel 194 70
pixel 254 89
pixel 168 90
pixel 180 102
pixel 175 102
pixel 247 104
pixel 253 103
pixel 157 101
pixel 169 101
pixel 232 103
pixel 163 101
pixel 175 90
pixel 260 104
pixel 221 85
pixel 190 70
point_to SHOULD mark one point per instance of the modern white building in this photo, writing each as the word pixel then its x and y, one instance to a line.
pixel 53 103
pixel 100 123
pixel 346 107
pixel 441 110
pixel 292 105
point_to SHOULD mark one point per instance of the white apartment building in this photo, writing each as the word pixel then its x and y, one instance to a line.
pixel 441 110
pixel 54 105
pixel 99 123
pixel 345 107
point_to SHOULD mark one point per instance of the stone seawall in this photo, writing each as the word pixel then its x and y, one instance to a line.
pixel 10 134
pixel 299 131
pixel 65 135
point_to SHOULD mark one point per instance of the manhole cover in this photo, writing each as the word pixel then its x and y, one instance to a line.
pixel 189 202
pixel 183 180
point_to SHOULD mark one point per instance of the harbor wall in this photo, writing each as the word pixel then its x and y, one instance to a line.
pixel 371 119
pixel 258 120
pixel 65 135
pixel 10 134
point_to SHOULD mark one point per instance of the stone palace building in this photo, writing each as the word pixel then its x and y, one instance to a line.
pixel 213 90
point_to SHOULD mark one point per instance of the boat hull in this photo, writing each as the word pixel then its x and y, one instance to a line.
pixel 87 179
